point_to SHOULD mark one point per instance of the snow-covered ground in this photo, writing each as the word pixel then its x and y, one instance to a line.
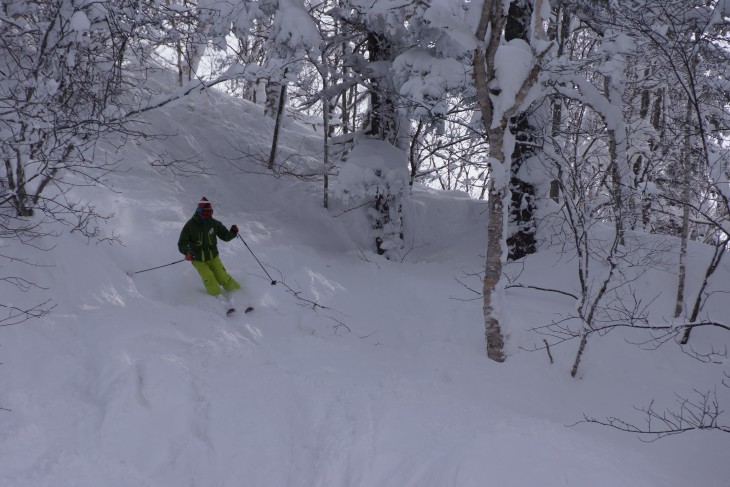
pixel 143 381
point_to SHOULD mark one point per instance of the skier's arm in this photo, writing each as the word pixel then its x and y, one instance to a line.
pixel 184 244
pixel 223 233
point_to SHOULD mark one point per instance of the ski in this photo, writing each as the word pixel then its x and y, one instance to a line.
pixel 233 310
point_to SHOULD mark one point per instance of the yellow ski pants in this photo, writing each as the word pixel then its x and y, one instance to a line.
pixel 214 275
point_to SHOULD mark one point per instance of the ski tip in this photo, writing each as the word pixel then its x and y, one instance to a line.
pixel 230 311
pixel 249 309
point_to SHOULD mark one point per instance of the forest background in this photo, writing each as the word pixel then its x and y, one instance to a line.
pixel 594 131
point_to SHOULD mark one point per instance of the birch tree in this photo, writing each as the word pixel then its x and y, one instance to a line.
pixel 505 70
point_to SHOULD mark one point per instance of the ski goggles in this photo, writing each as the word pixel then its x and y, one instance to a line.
pixel 205 210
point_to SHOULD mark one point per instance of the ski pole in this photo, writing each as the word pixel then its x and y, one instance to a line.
pixel 273 282
pixel 130 274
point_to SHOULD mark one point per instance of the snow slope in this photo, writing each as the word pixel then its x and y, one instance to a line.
pixel 143 381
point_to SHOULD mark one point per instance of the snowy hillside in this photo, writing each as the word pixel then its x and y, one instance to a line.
pixel 352 371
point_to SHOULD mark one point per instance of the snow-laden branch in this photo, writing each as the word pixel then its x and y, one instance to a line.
pixel 236 71
pixel 578 88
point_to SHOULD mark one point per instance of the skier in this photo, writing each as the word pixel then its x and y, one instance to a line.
pixel 199 244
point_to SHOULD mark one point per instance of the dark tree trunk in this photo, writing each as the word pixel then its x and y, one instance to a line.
pixel 521 239
pixel 382 117
pixel 277 124
pixel 383 124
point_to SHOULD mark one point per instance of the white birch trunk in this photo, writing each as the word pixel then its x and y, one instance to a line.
pixel 483 73
pixel 496 244
pixel 686 194
pixel 501 144
pixel 687 171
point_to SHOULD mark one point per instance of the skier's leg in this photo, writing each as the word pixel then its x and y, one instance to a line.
pixel 222 276
pixel 208 277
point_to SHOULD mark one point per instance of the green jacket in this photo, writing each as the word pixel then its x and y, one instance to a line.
pixel 198 236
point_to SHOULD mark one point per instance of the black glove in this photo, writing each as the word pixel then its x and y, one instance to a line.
pixel 234 229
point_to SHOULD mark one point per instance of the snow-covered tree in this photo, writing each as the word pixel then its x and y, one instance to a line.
pixel 62 88
pixel 506 67
pixel 638 89
pixel 411 58
pixel 658 69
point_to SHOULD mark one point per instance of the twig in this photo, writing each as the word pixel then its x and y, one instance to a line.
pixel 547 348
pixel 537 288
